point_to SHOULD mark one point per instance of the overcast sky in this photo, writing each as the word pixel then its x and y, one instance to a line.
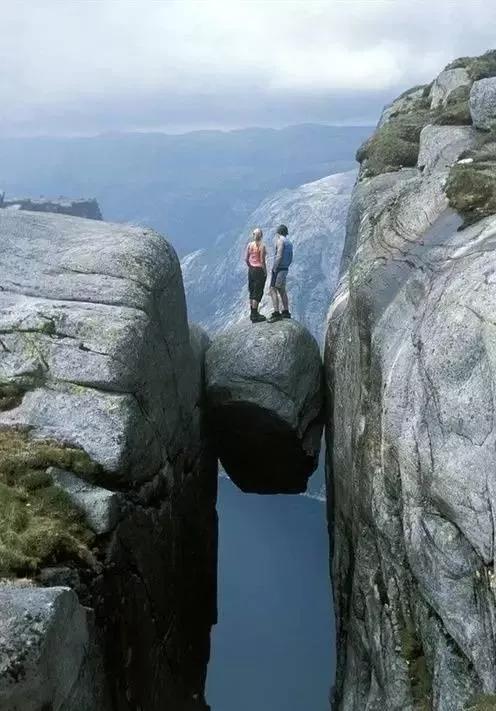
pixel 85 66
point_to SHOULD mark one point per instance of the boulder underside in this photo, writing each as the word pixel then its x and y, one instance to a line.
pixel 264 398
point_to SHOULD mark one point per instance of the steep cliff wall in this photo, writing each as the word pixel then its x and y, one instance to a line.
pixel 411 375
pixel 107 485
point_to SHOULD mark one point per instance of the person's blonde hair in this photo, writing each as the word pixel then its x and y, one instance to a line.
pixel 257 236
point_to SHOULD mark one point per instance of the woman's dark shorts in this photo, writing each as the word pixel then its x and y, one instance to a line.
pixel 256 283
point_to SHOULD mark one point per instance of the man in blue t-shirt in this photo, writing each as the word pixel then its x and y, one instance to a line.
pixel 282 262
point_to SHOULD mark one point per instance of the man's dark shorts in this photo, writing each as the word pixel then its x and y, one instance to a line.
pixel 278 279
pixel 256 283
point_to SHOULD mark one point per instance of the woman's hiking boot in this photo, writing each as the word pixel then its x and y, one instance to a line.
pixel 285 314
pixel 256 317
pixel 276 316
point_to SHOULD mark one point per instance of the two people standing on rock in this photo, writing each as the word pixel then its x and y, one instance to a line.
pixel 256 260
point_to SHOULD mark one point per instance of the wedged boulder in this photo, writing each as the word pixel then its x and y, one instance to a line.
pixel 264 398
pixel 483 103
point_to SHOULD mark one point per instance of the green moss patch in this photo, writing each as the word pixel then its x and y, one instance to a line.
pixel 10 396
pixel 38 523
pixel 471 187
pixel 483 702
pixel 394 145
pixel 477 67
pixel 419 674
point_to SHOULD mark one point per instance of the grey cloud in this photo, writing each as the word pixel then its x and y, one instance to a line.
pixel 82 66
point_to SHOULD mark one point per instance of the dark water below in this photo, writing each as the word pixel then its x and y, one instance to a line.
pixel 273 647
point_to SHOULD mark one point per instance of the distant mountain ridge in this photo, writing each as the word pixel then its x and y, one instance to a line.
pixel 191 187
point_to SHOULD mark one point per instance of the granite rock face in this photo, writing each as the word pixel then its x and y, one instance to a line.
pixel 410 371
pixel 95 346
pixel 264 396
pixel 49 657
pixel 483 103
pixel 62 206
pixel 449 81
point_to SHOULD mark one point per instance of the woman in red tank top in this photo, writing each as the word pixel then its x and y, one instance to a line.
pixel 257 273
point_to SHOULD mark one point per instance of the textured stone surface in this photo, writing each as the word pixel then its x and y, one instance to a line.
pixel 94 339
pixel 483 103
pixel 264 404
pixel 102 508
pixel 410 372
pixel 48 652
pixel 440 146
pixel 446 83
pixel 93 327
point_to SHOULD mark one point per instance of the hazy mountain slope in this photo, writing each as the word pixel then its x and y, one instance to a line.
pixel 215 278
pixel 192 187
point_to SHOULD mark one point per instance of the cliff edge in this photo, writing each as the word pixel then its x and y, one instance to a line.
pixel 108 529
pixel 411 374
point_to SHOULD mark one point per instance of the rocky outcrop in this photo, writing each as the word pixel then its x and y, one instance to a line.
pixel 264 400
pixel 99 380
pixel 410 372
pixel 483 103
pixel 88 208
pixel 48 652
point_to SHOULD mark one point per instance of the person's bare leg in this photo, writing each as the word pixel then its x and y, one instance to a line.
pixel 284 298
pixel 275 299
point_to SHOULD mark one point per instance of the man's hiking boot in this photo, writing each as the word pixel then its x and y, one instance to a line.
pixel 276 316
pixel 257 318
pixel 285 314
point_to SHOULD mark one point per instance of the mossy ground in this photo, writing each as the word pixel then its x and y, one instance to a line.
pixel 471 187
pixel 477 67
pixel 395 144
pixel 38 523
pixel 420 677
pixel 484 702
pixel 10 396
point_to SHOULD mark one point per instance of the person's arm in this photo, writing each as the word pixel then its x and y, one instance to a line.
pixel 247 255
pixel 279 253
pixel 264 259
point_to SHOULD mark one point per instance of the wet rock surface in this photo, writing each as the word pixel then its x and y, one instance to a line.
pixel 410 375
pixel 264 405
pixel 95 354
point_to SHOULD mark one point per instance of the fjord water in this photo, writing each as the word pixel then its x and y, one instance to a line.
pixel 272 649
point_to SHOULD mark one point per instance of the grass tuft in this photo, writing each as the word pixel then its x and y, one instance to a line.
pixel 471 187
pixel 39 525
pixel 483 702
pixel 481 67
